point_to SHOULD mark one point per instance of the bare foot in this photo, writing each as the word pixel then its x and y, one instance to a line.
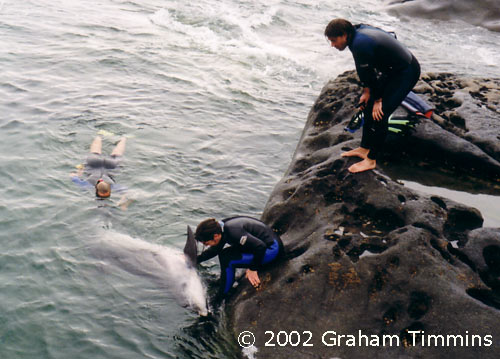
pixel 365 165
pixel 357 152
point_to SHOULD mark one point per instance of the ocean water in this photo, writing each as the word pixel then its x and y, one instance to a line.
pixel 212 96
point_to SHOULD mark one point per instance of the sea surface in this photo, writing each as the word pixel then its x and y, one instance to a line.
pixel 212 96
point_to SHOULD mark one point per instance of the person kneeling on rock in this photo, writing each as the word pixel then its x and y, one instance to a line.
pixel 251 244
pixel 388 72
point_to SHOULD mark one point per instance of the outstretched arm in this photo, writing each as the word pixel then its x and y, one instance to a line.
pixel 258 248
pixel 79 171
pixel 124 202
pixel 210 252
pixel 75 178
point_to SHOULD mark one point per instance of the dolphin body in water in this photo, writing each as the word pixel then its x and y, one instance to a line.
pixel 166 267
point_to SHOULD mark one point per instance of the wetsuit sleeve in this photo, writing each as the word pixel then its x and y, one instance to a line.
pixel 257 247
pixel 363 60
pixel 80 182
pixel 209 253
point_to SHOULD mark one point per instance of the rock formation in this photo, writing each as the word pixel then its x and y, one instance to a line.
pixel 485 13
pixel 368 258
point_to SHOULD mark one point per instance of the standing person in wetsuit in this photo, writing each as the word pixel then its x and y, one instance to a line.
pixel 251 245
pixel 98 169
pixel 388 72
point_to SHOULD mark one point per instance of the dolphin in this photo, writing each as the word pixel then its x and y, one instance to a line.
pixel 165 266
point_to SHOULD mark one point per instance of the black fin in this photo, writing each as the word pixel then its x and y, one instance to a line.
pixel 190 249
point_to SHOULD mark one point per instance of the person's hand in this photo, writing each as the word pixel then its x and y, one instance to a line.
pixel 363 100
pixel 124 205
pixel 377 110
pixel 79 173
pixel 253 277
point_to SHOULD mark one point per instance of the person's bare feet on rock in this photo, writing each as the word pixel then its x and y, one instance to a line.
pixel 365 165
pixel 357 152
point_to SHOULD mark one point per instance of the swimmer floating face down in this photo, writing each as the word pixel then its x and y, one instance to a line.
pixel 102 189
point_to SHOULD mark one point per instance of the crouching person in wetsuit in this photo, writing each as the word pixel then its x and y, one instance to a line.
pixel 388 72
pixel 251 245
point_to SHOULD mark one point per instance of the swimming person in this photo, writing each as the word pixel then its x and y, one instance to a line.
pixel 99 169
pixel 251 244
pixel 387 70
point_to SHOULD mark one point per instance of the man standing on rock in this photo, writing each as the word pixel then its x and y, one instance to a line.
pixel 388 72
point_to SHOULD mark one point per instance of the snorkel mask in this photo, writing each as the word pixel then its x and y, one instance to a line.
pixel 357 121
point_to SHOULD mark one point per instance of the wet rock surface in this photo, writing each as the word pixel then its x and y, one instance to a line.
pixel 366 256
pixel 485 13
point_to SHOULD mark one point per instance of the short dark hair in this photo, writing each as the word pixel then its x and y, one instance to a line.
pixel 339 27
pixel 206 230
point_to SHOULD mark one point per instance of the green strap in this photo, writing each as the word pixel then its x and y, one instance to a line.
pixel 395 130
pixel 399 122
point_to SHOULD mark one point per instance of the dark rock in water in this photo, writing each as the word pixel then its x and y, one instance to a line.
pixel 371 260
pixel 485 13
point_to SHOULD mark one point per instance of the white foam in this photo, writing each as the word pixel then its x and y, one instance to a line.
pixel 197 33
pixel 488 56
pixel 250 352
pixel 244 39
pixel 367 253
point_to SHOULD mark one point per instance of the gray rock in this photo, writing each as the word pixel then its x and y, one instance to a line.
pixel 482 253
pixel 485 13
pixel 364 253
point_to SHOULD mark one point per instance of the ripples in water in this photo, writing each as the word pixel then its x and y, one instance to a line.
pixel 213 96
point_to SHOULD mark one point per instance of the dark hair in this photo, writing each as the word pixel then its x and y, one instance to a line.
pixel 339 27
pixel 206 230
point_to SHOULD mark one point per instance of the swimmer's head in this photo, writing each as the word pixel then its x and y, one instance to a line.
pixel 102 189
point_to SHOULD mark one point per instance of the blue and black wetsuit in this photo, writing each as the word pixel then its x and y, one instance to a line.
pixel 252 244
pixel 389 70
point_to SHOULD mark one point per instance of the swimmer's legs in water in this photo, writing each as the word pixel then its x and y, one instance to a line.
pixel 96 146
pixel 119 150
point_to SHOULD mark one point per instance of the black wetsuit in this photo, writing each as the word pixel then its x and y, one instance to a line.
pixel 252 244
pixel 389 70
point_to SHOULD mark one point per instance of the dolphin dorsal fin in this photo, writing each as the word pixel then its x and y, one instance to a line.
pixel 190 249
